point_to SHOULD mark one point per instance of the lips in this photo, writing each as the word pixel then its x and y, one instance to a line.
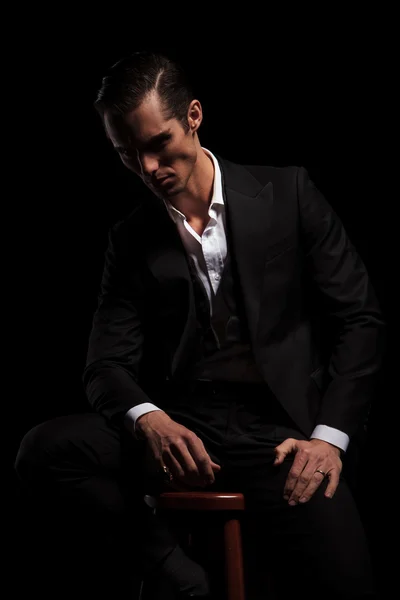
pixel 162 180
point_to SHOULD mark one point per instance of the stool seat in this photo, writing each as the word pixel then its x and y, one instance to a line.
pixel 200 501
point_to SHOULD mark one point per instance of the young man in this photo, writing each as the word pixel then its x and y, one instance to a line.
pixel 206 350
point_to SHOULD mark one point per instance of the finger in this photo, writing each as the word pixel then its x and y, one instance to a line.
pixel 295 472
pixel 194 461
pixel 196 480
pixel 174 464
pixel 285 448
pixel 183 465
pixel 307 484
pixel 174 482
pixel 201 458
pixel 317 478
pixel 334 478
pixel 215 466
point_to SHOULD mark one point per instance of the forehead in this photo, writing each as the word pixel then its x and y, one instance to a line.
pixel 139 125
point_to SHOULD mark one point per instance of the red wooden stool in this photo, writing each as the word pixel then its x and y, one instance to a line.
pixel 214 501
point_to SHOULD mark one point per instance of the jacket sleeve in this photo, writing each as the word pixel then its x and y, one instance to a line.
pixel 352 306
pixel 115 344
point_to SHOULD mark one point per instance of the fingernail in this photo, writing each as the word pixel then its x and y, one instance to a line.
pixel 286 497
pixel 303 500
pixel 292 503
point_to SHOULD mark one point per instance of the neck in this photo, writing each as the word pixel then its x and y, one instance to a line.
pixel 196 199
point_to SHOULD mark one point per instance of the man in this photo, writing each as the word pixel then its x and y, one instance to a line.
pixel 207 359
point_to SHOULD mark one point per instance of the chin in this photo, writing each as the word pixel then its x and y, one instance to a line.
pixel 172 191
pixel 165 194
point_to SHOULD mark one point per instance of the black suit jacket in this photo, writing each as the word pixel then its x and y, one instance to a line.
pixel 292 259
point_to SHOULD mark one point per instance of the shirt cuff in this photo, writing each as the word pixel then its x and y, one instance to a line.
pixel 135 412
pixel 333 436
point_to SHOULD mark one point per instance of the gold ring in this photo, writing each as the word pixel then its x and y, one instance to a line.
pixel 319 471
pixel 168 472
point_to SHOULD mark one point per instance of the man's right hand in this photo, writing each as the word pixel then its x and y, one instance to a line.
pixel 178 448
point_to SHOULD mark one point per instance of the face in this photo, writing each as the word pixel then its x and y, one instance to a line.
pixel 159 150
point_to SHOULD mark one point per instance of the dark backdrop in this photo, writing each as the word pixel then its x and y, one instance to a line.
pixel 323 111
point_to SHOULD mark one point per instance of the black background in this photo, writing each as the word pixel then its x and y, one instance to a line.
pixel 265 101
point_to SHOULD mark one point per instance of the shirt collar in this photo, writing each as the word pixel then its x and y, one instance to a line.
pixel 217 195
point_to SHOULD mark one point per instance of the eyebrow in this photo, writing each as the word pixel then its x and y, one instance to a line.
pixel 159 137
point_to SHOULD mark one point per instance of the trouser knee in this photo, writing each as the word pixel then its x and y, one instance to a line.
pixel 33 456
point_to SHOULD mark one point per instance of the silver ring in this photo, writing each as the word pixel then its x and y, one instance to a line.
pixel 319 471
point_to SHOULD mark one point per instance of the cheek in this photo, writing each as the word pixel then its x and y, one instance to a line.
pixel 183 161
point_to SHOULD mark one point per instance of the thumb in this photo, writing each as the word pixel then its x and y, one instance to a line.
pixel 284 449
pixel 215 466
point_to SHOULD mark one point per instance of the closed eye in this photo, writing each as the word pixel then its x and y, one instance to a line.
pixel 158 145
pixel 155 145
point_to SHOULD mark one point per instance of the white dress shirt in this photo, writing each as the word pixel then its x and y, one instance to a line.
pixel 208 253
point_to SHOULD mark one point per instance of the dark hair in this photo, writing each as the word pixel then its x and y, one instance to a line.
pixel 130 80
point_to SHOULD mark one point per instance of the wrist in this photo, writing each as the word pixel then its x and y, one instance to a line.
pixel 317 441
pixel 143 425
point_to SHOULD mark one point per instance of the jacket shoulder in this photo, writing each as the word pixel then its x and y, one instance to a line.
pixel 124 235
pixel 123 223
pixel 276 175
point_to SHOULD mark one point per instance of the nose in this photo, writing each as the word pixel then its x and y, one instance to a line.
pixel 148 164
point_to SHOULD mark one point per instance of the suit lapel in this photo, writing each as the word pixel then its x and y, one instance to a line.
pixel 167 259
pixel 249 212
pixel 249 231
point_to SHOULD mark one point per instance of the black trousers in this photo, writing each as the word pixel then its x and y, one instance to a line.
pixel 85 482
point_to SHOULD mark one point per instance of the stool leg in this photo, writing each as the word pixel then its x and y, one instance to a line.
pixel 234 572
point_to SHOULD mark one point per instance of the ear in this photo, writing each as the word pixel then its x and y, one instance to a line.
pixel 195 115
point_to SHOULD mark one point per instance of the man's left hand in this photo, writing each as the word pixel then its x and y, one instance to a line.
pixel 305 476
